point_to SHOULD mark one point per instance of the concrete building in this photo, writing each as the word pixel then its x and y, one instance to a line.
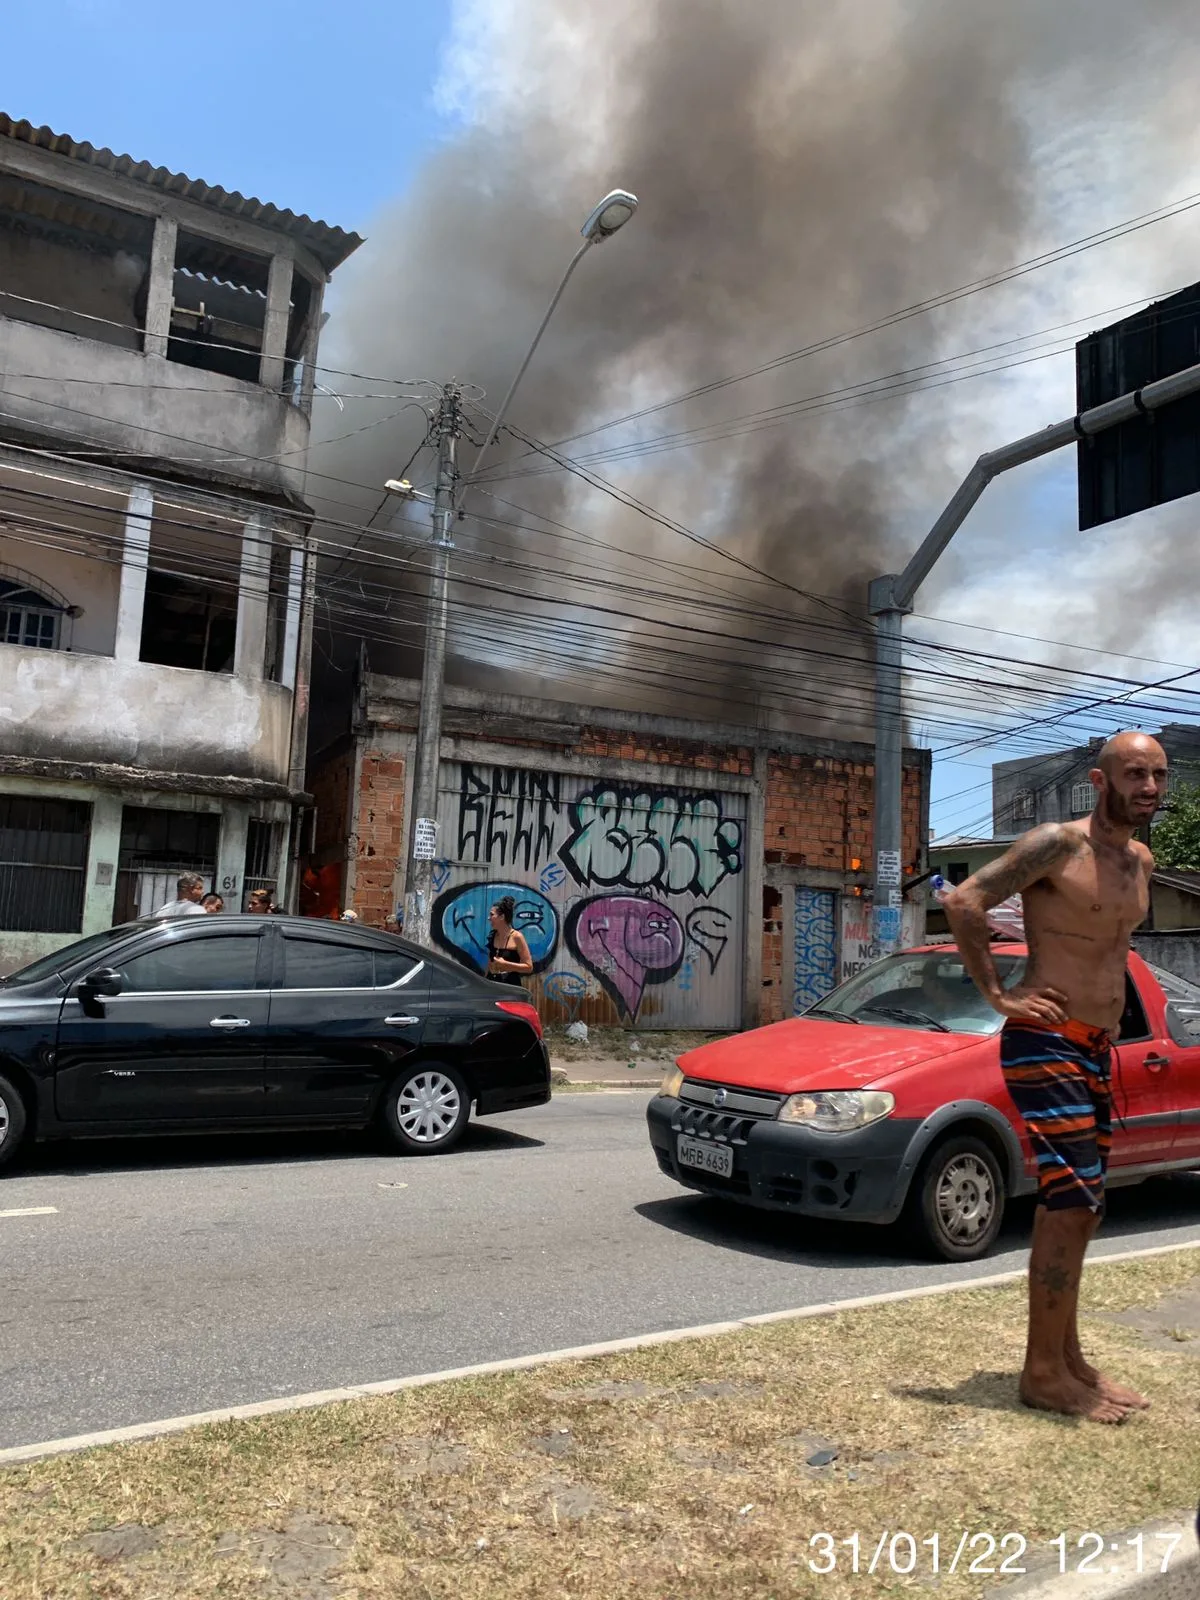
pixel 1056 787
pixel 158 343
pixel 667 872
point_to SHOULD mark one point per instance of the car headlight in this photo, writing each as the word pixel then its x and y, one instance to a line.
pixel 672 1082
pixel 837 1110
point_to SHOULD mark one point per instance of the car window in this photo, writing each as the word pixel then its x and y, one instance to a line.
pixel 326 964
pixel 1133 1024
pixel 93 949
pixel 391 966
pixel 183 966
pixel 911 990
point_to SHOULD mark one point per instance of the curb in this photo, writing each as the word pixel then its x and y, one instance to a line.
pixel 15 1455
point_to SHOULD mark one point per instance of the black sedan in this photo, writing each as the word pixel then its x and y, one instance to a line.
pixel 234 1022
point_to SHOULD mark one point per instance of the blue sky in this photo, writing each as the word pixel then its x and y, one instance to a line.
pixel 321 108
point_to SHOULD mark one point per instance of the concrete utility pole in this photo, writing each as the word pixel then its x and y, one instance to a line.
pixel 422 833
pixel 605 219
pixel 890 598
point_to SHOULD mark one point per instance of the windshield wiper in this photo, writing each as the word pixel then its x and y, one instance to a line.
pixel 908 1016
pixel 830 1011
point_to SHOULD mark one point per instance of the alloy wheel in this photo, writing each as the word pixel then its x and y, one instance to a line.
pixel 5 1120
pixel 428 1107
pixel 965 1198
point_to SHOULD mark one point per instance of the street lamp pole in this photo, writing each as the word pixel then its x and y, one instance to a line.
pixel 611 214
pixel 890 599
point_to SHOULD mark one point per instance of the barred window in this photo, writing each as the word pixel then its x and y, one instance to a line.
pixel 43 863
pixel 1083 798
pixel 1022 806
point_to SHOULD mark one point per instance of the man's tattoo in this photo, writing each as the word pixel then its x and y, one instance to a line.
pixel 1057 1279
pixel 1028 860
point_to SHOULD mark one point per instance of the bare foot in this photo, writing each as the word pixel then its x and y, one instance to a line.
pixel 1083 1373
pixel 1064 1394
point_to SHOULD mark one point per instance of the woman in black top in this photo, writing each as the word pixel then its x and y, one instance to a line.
pixel 508 954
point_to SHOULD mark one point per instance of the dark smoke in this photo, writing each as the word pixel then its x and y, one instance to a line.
pixel 803 168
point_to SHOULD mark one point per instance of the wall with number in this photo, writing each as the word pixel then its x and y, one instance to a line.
pixel 631 896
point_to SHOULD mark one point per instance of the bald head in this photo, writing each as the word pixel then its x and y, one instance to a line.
pixel 1123 747
pixel 1130 776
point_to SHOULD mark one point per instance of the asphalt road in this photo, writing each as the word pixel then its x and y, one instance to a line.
pixel 178 1276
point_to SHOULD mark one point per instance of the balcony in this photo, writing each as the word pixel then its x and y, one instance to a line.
pixel 83 708
pixel 60 386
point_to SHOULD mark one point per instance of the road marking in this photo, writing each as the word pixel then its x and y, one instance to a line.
pixel 323 1397
pixel 30 1211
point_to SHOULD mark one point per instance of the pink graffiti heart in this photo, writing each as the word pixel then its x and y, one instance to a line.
pixel 628 942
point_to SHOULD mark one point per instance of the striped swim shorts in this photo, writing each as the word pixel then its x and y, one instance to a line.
pixel 1058 1076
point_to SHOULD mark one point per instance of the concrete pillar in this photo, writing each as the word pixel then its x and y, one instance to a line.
pixel 131 602
pixel 275 323
pixel 250 648
pixel 231 854
pixel 291 624
pixel 308 378
pixel 160 291
pixel 104 850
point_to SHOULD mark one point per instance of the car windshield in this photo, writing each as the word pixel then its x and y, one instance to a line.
pixel 59 960
pixel 920 989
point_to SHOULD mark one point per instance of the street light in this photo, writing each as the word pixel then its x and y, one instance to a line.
pixel 613 212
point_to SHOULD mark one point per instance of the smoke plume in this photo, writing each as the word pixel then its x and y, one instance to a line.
pixel 804 169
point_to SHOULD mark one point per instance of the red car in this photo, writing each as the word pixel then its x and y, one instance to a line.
pixel 885 1102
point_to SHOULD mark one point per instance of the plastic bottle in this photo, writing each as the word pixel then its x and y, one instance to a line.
pixel 1006 919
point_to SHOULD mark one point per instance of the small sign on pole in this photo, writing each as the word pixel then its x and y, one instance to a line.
pixel 425 840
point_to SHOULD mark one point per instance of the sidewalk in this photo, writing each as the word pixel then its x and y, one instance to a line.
pixel 609 1072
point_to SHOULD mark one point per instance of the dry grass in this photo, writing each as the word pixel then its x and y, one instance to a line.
pixel 614 1044
pixel 671 1472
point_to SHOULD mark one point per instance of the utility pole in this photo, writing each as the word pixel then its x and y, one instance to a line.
pixel 422 833
pixel 890 599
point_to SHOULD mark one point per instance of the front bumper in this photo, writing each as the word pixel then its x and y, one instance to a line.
pixel 855 1177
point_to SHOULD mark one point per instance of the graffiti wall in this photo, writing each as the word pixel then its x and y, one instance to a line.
pixel 631 896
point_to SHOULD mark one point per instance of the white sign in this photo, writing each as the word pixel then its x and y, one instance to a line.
pixel 895 897
pixel 425 840
pixel 887 866
pixel 858 938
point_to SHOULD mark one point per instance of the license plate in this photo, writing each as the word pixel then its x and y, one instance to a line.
pixel 715 1158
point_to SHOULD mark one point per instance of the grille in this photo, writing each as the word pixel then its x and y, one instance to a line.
pixel 724 1127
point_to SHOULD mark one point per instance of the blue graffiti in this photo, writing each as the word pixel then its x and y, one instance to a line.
pixel 441 875
pixel 551 877
pixel 460 921
pixel 567 989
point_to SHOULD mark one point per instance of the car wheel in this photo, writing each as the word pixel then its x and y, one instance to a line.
pixel 426 1109
pixel 956 1204
pixel 12 1122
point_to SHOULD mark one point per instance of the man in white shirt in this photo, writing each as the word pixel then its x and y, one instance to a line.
pixel 190 892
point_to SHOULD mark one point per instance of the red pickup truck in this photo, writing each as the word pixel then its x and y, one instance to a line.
pixel 885 1102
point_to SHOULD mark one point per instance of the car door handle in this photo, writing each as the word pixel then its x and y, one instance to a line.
pixel 228 1023
pixel 401 1022
pixel 1156 1063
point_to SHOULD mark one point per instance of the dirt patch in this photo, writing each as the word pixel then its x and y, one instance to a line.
pixel 122 1543
pixel 617 1045
pixel 650 1475
pixel 1173 1324
pixel 301 1559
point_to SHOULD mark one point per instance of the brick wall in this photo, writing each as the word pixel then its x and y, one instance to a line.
pixel 380 836
pixel 329 784
pixel 622 747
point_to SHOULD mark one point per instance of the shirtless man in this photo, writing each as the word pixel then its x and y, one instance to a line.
pixel 1084 886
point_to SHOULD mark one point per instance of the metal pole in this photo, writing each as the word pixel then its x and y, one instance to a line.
pixel 537 339
pixel 422 850
pixel 889 598
pixel 889 777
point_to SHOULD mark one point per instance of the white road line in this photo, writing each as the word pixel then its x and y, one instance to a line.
pixel 323 1397
pixel 30 1211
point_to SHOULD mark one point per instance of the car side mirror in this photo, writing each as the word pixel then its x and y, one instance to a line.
pixel 102 984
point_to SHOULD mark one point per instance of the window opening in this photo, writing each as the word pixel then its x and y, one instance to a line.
pixel 29 617
pixel 262 852
pixel 219 307
pixel 70 263
pixel 1083 798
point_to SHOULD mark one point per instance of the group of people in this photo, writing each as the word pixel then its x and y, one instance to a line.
pixel 192 900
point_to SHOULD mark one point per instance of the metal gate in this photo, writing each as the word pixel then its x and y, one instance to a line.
pixel 631 896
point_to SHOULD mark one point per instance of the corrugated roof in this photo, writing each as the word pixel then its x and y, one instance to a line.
pixel 330 245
